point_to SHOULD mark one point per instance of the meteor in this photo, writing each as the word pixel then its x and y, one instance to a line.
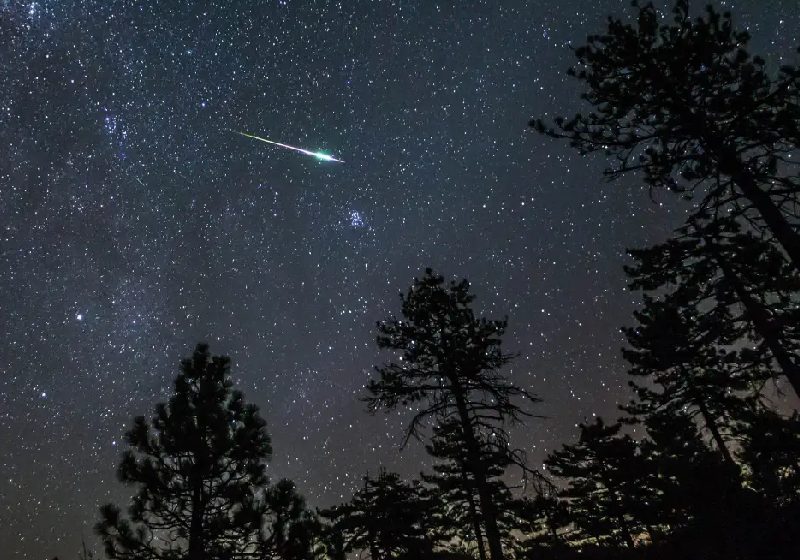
pixel 319 155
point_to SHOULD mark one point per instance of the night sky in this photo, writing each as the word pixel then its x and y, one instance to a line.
pixel 135 223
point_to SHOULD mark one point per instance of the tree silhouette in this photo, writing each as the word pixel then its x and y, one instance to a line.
pixel 198 470
pixel 387 517
pixel 457 515
pixel 604 474
pixel 730 289
pixel 448 371
pixel 289 530
pixel 683 373
pixel 689 107
pixel 333 543
pixel 685 105
pixel 687 485
pixel 547 524
pixel 771 450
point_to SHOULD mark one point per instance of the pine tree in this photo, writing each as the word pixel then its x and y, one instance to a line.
pixel 198 470
pixel 695 504
pixel 736 294
pixel 457 518
pixel 683 373
pixel 333 543
pixel 387 518
pixel 448 370
pixel 605 477
pixel 289 530
pixel 687 485
pixel 771 450
pixel 547 523
pixel 686 104
pixel 457 515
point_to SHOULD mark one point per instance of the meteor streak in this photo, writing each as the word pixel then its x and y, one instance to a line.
pixel 319 155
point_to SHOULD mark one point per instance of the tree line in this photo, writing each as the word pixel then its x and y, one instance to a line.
pixel 701 463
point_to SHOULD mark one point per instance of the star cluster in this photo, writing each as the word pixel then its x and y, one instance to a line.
pixel 135 223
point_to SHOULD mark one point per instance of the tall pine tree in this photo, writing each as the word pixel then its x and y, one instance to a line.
pixel 687 486
pixel 289 530
pixel 604 475
pixel 387 518
pixel 457 516
pixel 737 296
pixel 684 374
pixel 771 450
pixel 198 470
pixel 449 371
pixel 686 104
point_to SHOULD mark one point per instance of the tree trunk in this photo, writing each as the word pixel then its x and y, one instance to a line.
pixel 781 229
pixel 711 424
pixel 709 421
pixel 731 165
pixel 761 323
pixel 196 540
pixel 473 512
pixel 478 469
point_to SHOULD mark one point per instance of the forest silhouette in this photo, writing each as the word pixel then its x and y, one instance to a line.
pixel 701 463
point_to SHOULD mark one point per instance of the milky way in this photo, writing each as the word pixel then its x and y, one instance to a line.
pixel 133 228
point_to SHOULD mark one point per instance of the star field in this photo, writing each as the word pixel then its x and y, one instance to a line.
pixel 135 223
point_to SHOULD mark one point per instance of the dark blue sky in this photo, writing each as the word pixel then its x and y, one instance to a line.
pixel 135 223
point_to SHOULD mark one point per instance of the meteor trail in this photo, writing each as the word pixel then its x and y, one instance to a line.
pixel 319 155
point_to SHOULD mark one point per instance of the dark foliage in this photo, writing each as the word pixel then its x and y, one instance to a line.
pixel 683 373
pixel 720 303
pixel 685 104
pixel 448 371
pixel 198 471
pixel 771 451
pixel 688 487
pixel 667 496
pixel 289 530
pixel 604 474
pixel 546 522
pixel 456 508
pixel 388 518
